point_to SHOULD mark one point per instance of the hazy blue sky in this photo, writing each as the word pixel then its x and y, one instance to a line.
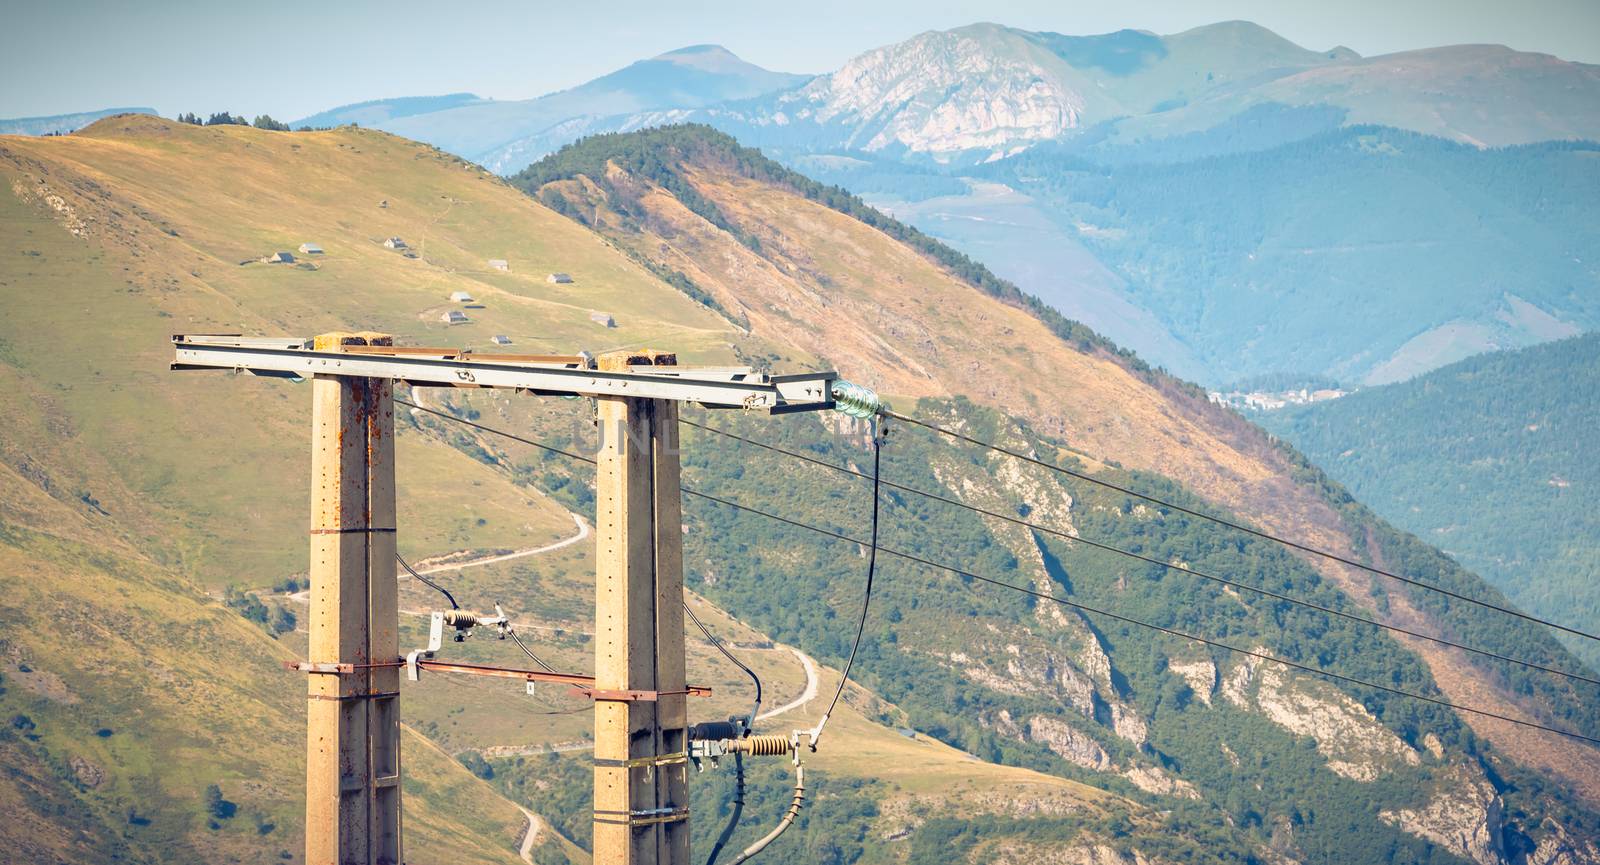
pixel 293 58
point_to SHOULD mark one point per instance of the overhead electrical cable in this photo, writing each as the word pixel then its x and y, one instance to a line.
pixel 427 582
pixel 1185 569
pixel 866 596
pixel 714 640
pixel 1237 526
pixel 1340 677
pixel 737 810
pixel 510 632
pixel 1132 621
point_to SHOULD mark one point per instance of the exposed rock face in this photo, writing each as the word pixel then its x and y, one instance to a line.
pixel 1464 817
pixel 1153 780
pixel 976 88
pixel 1074 747
pixel 1355 744
pixel 1087 853
pixel 1560 848
pixel 1201 677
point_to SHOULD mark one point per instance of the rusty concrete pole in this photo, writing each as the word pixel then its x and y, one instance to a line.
pixel 353 717
pixel 641 778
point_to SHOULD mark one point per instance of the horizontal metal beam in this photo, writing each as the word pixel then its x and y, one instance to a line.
pixel 728 387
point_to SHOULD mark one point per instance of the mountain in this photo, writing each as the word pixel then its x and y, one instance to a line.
pixel 61 123
pixel 377 111
pixel 1303 203
pixel 133 497
pixel 490 131
pixel 807 265
pixel 1363 253
pixel 1486 458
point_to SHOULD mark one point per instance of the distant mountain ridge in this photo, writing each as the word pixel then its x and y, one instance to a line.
pixel 488 130
pixel 377 111
pixel 61 122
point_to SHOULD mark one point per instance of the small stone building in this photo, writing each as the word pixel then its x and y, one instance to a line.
pixel 395 243
pixel 603 319
pixel 558 279
pixel 454 316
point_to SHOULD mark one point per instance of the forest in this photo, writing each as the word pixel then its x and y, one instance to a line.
pixel 1491 460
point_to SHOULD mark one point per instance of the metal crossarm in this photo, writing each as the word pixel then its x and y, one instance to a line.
pixel 717 387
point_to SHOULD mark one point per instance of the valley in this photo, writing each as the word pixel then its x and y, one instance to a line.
pixel 1034 726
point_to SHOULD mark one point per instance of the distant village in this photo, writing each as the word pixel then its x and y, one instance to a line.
pixel 1257 400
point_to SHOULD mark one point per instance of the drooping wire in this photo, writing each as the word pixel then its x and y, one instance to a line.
pixel 427 582
pixel 714 640
pixel 738 757
pixel 734 814
pixel 492 431
pixel 1185 569
pixel 510 632
pixel 1237 526
pixel 1083 607
pixel 866 596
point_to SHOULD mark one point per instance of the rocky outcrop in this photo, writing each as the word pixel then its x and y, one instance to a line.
pixel 1201 676
pixel 1089 852
pixel 1558 847
pixel 1463 816
pixel 1069 744
pixel 1355 744
pixel 1154 780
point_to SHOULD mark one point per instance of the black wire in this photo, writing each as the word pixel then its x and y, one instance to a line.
pixel 1132 621
pixel 1243 528
pixel 738 809
pixel 713 640
pixel 529 652
pixel 1148 559
pixel 425 581
pixel 1082 607
pixel 866 597
pixel 493 431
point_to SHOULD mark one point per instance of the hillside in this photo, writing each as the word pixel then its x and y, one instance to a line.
pixel 1041 730
pixel 1488 459
pixel 796 262
pixel 136 500
pixel 133 496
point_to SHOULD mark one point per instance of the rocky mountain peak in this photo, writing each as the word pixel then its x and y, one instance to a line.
pixel 975 88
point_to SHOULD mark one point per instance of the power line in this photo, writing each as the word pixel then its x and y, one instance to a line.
pixel 527 651
pixel 1344 560
pixel 493 431
pixel 427 582
pixel 1149 559
pixel 1077 606
pixel 1132 621
pixel 721 647
pixel 866 598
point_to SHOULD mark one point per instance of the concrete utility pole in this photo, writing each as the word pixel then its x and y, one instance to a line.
pixel 641 792
pixel 641 795
pixel 353 714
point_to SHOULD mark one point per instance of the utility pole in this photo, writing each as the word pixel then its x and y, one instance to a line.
pixel 353 711
pixel 641 796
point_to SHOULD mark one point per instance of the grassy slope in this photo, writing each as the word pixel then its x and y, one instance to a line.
pixel 890 318
pixel 199 479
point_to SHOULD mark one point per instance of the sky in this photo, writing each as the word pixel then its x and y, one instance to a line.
pixel 292 58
